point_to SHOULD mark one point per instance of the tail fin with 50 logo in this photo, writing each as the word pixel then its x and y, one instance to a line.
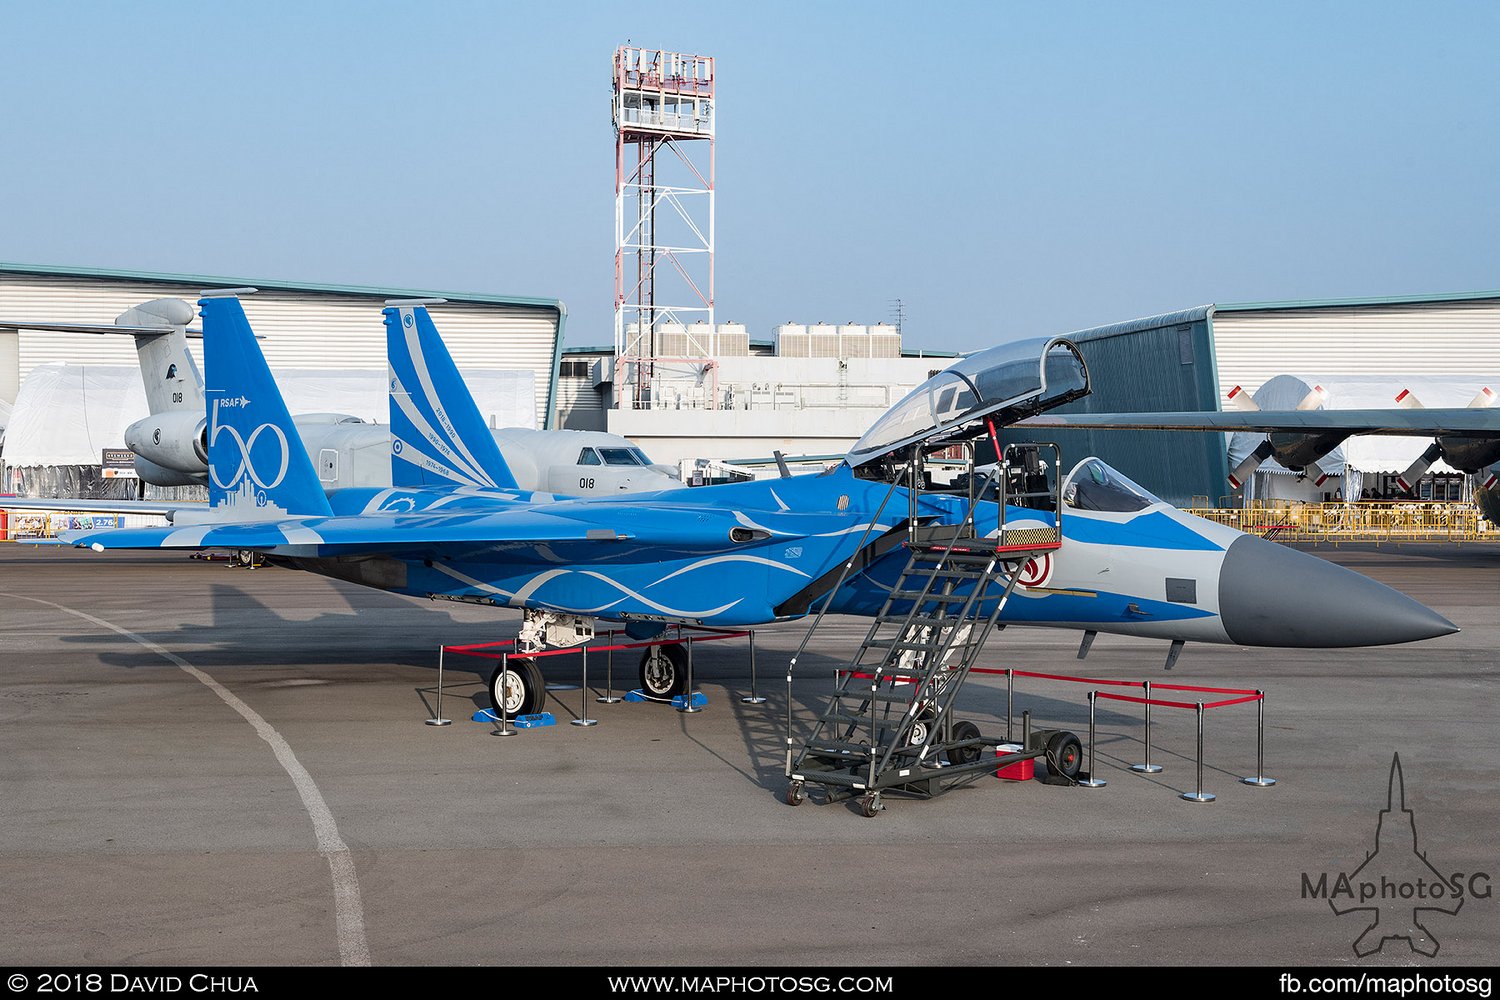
pixel 257 465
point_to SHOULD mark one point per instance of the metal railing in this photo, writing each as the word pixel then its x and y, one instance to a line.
pixel 1360 521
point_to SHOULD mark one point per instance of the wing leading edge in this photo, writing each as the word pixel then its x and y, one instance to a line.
pixel 1398 422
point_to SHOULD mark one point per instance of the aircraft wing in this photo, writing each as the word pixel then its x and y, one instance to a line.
pixel 1470 421
pixel 431 532
pixel 67 506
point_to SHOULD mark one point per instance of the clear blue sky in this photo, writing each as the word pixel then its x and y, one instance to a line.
pixel 1005 169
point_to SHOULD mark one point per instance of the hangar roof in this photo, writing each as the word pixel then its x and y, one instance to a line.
pixel 271 284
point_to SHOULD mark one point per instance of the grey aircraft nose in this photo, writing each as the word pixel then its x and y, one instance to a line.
pixel 1271 595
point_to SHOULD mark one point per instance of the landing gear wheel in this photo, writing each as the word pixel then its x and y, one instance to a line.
pixel 921 728
pixel 525 692
pixel 1065 755
pixel 965 755
pixel 664 671
pixel 869 804
pixel 245 558
pixel 796 793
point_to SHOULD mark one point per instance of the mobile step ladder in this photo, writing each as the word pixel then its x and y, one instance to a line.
pixel 890 721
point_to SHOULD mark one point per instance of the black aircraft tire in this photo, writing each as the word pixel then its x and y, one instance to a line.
pixel 533 688
pixel 664 671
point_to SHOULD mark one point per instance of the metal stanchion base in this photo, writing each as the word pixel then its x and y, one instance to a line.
pixel 1198 796
pixel 689 709
pixel 439 722
pixel 753 699
pixel 584 722
pixel 1146 768
pixel 505 732
pixel 1092 783
pixel 1258 782
pixel 609 701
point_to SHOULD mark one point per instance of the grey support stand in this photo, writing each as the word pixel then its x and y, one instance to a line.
pixel 754 697
pixel 1145 766
pixel 437 715
pixel 1199 795
pixel 1260 780
pixel 505 727
pixel 583 695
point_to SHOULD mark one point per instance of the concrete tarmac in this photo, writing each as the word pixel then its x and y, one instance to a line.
pixel 146 821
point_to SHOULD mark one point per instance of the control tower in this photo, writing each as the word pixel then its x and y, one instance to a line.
pixel 664 219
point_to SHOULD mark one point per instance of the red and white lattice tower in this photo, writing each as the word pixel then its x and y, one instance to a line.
pixel 664 219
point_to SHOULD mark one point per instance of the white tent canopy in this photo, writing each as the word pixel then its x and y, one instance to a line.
pixel 68 414
pixel 1369 453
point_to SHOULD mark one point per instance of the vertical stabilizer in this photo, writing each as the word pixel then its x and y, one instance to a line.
pixel 257 466
pixel 168 371
pixel 438 437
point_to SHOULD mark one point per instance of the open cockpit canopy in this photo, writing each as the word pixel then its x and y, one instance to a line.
pixel 1005 384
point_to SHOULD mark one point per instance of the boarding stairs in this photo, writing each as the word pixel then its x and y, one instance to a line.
pixel 889 722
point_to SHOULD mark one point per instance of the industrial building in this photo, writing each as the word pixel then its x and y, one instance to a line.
pixel 336 328
pixel 712 392
pixel 1190 360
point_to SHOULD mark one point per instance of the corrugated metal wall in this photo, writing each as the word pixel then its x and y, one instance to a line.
pixel 1160 363
pixel 1427 338
pixel 300 329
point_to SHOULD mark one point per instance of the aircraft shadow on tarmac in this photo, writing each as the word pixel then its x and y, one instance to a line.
pixel 232 640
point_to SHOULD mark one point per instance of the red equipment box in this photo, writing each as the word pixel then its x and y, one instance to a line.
pixel 1021 770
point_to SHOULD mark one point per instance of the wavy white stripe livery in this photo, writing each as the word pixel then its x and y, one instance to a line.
pixel 419 364
pixel 747 522
pixel 535 583
pixel 734 558
pixel 664 609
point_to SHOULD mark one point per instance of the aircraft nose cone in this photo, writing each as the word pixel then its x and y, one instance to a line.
pixel 1271 595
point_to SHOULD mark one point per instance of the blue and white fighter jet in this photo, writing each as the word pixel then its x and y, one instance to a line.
pixel 454 525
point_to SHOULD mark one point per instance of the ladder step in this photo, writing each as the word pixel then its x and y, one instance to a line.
pixel 898 644
pixel 892 697
pixel 839 748
pixel 831 778
pixel 881 721
pixel 912 595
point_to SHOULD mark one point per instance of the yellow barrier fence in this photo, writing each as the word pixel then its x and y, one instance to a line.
pixel 1362 521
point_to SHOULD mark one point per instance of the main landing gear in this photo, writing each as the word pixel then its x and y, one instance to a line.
pixel 519 683
pixel 664 671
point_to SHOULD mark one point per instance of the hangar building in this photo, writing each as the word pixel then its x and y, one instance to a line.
pixel 303 325
pixel 1189 360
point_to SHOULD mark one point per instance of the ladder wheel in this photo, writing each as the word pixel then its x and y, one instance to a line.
pixel 796 793
pixel 869 805
pixel 965 755
pixel 1065 755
